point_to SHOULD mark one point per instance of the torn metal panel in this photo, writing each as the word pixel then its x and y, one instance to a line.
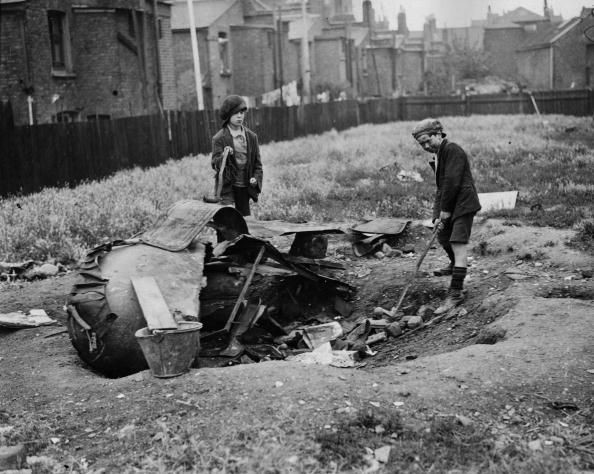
pixel 247 243
pixel 383 225
pixel 268 229
pixel 184 220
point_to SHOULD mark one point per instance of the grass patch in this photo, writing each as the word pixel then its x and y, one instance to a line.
pixel 441 445
pixel 334 176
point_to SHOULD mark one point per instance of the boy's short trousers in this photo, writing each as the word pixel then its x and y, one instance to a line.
pixel 458 231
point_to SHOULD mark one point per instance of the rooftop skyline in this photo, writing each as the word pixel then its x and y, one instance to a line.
pixel 456 13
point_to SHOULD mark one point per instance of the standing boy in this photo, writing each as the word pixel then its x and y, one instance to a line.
pixel 456 203
pixel 242 174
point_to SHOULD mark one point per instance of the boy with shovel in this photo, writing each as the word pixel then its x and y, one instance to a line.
pixel 456 203
pixel 236 157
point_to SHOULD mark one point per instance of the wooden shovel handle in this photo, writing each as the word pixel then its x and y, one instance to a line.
pixel 219 186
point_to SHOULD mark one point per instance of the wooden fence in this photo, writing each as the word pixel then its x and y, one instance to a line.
pixel 61 154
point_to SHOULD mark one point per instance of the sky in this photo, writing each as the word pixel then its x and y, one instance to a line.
pixel 453 13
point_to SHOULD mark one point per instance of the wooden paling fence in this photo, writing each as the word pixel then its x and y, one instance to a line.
pixel 62 154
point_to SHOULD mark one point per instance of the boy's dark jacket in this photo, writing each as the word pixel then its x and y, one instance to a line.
pixel 222 139
pixel 456 192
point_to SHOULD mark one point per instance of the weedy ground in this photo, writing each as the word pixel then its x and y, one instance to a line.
pixel 334 176
pixel 443 399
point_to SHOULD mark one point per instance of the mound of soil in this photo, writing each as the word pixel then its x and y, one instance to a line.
pixel 514 364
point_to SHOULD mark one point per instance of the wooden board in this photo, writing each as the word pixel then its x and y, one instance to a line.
pixel 153 305
pixel 498 201
pixel 383 225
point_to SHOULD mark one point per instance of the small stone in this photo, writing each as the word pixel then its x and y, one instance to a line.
pixel 12 457
pixel 535 445
pixel 379 255
pixel 463 420
pixel 409 248
pixel 587 273
pixel 394 329
pixel 425 312
pixel 383 454
pixel 414 321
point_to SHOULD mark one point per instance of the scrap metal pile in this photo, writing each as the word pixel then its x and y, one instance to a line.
pixel 202 263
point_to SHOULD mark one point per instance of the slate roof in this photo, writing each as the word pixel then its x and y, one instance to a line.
pixel 548 35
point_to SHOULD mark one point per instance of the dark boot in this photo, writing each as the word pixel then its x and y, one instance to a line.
pixel 455 295
pixel 445 271
pixel 453 299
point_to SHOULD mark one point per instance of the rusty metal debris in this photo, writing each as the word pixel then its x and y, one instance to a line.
pixel 204 261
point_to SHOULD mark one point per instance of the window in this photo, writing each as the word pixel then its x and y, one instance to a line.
pixel 59 44
pixel 66 116
pixel 224 53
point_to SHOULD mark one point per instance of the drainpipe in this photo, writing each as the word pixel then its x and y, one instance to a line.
pixel 158 58
pixel 195 55
pixel 551 68
pixel 30 107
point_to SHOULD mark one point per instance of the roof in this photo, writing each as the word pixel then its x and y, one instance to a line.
pixel 548 35
pixel 513 19
pixel 206 12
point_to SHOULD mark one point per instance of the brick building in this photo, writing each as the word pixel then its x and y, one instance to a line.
pixel 93 59
pixel 399 62
pixel 560 56
pixel 253 47
pixel 504 33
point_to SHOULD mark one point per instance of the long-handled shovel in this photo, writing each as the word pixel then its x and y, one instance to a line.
pixel 394 310
pixel 219 181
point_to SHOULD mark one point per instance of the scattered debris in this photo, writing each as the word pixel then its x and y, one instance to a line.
pixel 409 175
pixel 19 320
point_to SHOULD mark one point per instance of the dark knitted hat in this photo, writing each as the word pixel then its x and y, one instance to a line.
pixel 428 126
pixel 231 105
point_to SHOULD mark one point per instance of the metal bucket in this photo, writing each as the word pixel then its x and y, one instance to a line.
pixel 170 353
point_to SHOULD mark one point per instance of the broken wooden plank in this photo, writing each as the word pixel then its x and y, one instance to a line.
pixel 153 305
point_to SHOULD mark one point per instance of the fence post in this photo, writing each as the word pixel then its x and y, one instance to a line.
pixel 402 108
pixel 590 102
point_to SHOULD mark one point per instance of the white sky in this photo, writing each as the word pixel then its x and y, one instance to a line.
pixel 454 13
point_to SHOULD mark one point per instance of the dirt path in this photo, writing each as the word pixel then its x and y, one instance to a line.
pixel 528 397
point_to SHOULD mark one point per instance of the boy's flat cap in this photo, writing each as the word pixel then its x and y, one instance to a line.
pixel 427 126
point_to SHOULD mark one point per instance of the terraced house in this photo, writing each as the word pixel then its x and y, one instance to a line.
pixel 90 59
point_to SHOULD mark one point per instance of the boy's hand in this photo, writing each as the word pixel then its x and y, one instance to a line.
pixel 253 181
pixel 228 149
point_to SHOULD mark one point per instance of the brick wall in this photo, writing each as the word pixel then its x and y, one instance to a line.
pixel 570 57
pixel 106 77
pixel 168 83
pixel 330 65
pixel 380 71
pixel 409 72
pixel 534 68
pixel 501 44
pixel 13 68
pixel 253 59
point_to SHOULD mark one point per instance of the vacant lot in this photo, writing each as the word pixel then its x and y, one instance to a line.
pixel 504 387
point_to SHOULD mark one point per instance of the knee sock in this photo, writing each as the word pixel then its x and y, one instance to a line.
pixel 458 275
pixel 450 252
